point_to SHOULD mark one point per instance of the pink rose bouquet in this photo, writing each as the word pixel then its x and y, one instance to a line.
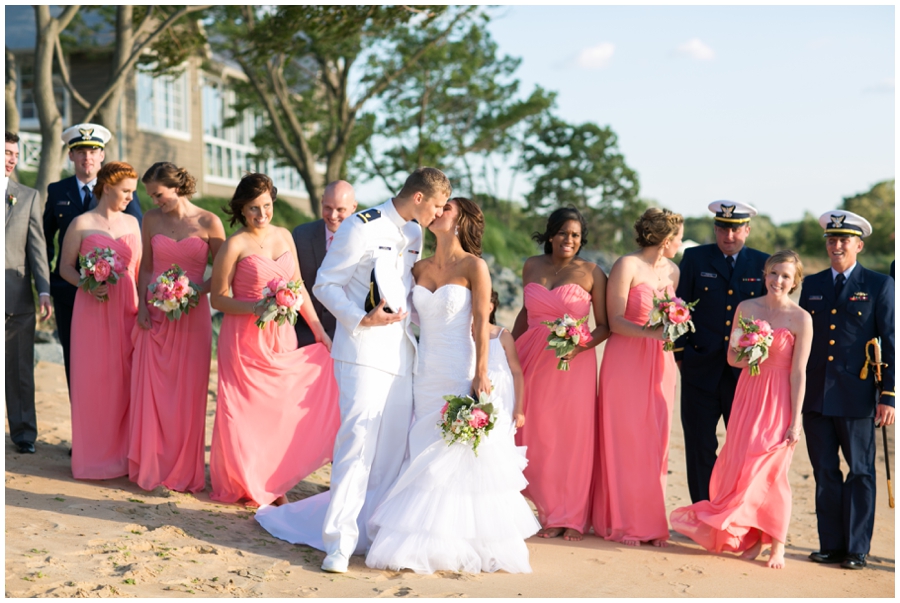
pixel 752 338
pixel 565 334
pixel 281 302
pixel 97 268
pixel 466 420
pixel 673 315
pixel 174 293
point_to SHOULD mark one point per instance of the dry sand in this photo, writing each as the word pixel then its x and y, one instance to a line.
pixel 73 538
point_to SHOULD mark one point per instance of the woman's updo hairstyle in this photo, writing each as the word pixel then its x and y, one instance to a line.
pixel 111 174
pixel 171 176
pixel 788 256
pixel 555 222
pixel 248 189
pixel 470 225
pixel 655 226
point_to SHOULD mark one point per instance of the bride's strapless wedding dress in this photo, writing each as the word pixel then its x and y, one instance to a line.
pixel 449 509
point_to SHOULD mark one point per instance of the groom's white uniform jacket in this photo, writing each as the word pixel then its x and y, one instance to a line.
pixel 377 236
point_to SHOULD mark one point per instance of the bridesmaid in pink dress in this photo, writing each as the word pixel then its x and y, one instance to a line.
pixel 277 408
pixel 750 497
pixel 637 390
pixel 101 330
pixel 171 357
pixel 560 405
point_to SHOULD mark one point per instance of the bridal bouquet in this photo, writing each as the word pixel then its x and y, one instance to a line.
pixel 565 334
pixel 281 302
pixel 752 339
pixel 673 315
pixel 465 419
pixel 174 293
pixel 98 267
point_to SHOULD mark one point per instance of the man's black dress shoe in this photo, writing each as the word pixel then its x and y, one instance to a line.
pixel 828 556
pixel 854 561
pixel 25 448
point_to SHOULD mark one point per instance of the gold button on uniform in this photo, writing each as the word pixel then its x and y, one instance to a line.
pixel 728 307
pixel 752 293
pixel 812 311
pixel 833 311
pixel 831 342
pixel 727 323
pixel 706 288
pixel 730 292
pixel 831 327
pixel 830 358
pixel 726 338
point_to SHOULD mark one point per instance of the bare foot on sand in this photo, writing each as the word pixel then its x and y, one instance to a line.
pixel 631 542
pixel 776 557
pixel 550 532
pixel 660 543
pixel 753 552
pixel 571 534
pixel 281 500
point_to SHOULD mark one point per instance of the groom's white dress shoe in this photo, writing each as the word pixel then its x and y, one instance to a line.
pixel 336 563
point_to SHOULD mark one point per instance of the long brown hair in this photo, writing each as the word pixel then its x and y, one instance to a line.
pixel 470 225
pixel 249 188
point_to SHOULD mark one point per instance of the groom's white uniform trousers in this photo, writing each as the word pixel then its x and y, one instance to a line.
pixel 373 367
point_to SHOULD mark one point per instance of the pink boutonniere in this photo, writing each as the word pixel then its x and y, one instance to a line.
pixel 12 200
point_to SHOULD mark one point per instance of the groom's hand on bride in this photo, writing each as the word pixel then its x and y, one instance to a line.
pixel 377 317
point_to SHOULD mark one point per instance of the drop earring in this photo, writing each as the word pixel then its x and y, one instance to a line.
pixel 457 231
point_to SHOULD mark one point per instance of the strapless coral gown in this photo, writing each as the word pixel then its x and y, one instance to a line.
pixel 100 385
pixel 749 489
pixel 560 408
pixel 277 409
pixel 170 381
pixel 637 395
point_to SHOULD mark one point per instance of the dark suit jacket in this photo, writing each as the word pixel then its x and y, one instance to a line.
pixel 25 250
pixel 841 328
pixel 64 205
pixel 703 270
pixel 309 239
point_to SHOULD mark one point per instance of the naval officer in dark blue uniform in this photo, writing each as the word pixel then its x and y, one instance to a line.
pixel 68 199
pixel 720 276
pixel 850 305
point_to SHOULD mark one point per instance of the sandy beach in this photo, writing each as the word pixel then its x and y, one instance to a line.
pixel 68 538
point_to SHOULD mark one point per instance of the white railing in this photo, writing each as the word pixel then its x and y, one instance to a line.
pixel 226 163
pixel 30 152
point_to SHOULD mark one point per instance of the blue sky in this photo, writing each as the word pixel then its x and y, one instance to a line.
pixel 787 108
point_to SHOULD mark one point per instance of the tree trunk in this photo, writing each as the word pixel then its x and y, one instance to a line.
pixel 48 30
pixel 12 84
pixel 109 112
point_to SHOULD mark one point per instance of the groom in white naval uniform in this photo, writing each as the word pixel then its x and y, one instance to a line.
pixel 365 282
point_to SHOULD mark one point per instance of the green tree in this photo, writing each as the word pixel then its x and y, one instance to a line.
pixel 580 165
pixel 304 63
pixel 454 109
pixel 877 206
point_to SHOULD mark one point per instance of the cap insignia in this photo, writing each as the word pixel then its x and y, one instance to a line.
pixel 727 210
pixel 838 221
pixel 86 133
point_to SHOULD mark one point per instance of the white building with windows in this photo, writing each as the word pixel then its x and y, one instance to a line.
pixel 178 118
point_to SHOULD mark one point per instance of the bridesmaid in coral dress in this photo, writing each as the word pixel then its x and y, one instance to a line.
pixel 750 497
pixel 171 357
pixel 637 390
pixel 277 412
pixel 101 328
pixel 560 405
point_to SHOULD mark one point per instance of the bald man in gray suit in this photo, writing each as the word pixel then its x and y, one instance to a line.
pixel 312 241
pixel 26 258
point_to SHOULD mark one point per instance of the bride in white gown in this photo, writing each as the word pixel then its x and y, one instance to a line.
pixel 449 509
